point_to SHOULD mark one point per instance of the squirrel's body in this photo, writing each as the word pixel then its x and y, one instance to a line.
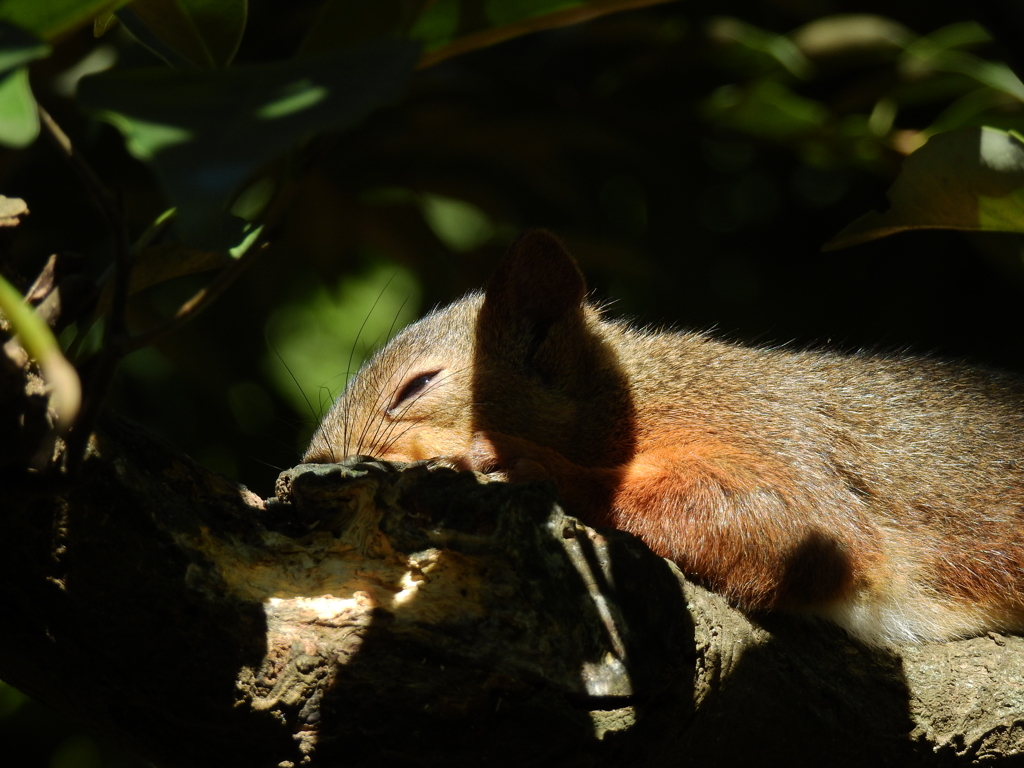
pixel 885 493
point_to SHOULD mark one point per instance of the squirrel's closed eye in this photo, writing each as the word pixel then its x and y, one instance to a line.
pixel 412 388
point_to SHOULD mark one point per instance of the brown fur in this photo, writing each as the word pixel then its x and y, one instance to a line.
pixel 885 493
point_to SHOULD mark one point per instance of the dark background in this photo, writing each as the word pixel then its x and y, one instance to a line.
pixel 612 134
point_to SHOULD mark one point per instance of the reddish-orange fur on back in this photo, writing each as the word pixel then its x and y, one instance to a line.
pixel 884 493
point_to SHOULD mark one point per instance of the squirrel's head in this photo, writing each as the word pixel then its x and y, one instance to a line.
pixel 522 358
pixel 411 400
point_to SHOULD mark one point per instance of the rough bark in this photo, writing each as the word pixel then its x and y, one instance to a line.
pixel 376 617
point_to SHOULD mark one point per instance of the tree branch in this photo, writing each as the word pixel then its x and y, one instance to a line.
pixel 372 616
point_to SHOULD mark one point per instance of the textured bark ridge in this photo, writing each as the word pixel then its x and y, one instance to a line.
pixel 373 615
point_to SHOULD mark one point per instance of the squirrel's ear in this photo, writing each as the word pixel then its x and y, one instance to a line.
pixel 537 283
pixel 533 312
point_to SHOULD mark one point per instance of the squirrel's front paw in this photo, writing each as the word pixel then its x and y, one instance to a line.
pixel 480 456
pixel 503 457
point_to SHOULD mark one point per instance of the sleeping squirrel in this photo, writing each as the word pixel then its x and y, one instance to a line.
pixel 884 493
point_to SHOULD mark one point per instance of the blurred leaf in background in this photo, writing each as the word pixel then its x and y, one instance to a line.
pixel 200 33
pixel 11 700
pixel 323 336
pixel 19 122
pixel 934 69
pixel 970 179
pixel 206 133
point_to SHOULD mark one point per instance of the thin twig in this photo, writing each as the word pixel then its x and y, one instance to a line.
pixel 563 18
pixel 200 301
pixel 101 376
pixel 100 194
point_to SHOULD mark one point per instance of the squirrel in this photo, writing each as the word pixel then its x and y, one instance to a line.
pixel 884 493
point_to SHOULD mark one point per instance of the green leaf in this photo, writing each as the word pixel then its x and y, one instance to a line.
pixel 11 700
pixel 778 49
pixel 989 73
pixel 19 120
pixel 359 313
pixel 18 47
pixel 851 34
pixel 766 108
pixel 206 132
pixel 439 25
pixel 977 107
pixel 972 179
pixel 460 225
pixel 50 19
pixel 203 33
pixel 962 34
pixel 939 51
